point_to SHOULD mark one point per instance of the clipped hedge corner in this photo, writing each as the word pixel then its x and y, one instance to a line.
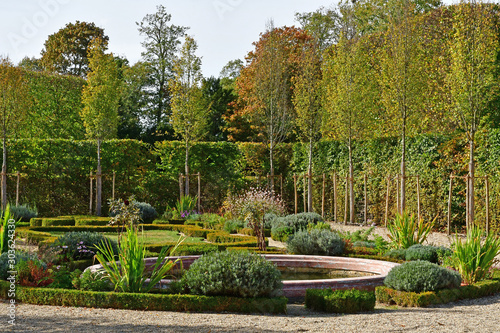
pixel 340 301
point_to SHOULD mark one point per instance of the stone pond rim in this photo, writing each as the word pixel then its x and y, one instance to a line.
pixel 297 288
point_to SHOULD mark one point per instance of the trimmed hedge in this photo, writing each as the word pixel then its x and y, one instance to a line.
pixel 149 302
pixel 411 299
pixel 340 301
pixel 36 222
pixel 200 248
pixel 91 221
pixel 58 221
pixel 225 237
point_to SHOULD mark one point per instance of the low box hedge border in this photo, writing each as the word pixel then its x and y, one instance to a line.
pixel 57 221
pixel 145 302
pixel 92 221
pixel 200 248
pixel 340 301
pixel 411 299
pixel 225 237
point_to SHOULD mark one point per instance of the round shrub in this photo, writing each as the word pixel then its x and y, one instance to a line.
pixel 147 212
pixel 399 254
pixel 426 252
pixel 281 234
pixel 80 245
pixel 321 242
pixel 269 220
pixel 232 273
pixel 418 276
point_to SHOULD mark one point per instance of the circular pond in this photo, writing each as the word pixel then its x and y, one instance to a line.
pixel 376 271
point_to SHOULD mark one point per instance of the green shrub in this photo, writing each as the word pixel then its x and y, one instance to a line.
pixel 340 301
pixel 82 244
pixel 269 220
pixel 399 254
pixel 406 231
pixel 36 222
pixel 23 213
pixel 147 212
pixel 92 281
pixel 320 242
pixel 281 234
pixel 428 252
pixel 224 237
pixel 319 225
pixel 18 257
pixel 99 221
pixel 369 244
pixel 419 276
pixel 475 257
pixel 297 221
pixel 232 273
pixel 232 226
pixel 57 221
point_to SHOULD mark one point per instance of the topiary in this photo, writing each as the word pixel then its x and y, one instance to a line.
pixel 321 242
pixel 80 245
pixel 419 276
pixel 232 273
pixel 146 211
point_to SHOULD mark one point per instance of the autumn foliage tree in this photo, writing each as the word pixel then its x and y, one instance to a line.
pixel 265 86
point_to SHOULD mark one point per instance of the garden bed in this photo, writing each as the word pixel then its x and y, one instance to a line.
pixel 145 302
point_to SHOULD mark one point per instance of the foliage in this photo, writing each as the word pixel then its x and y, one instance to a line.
pixel 124 212
pixel 428 253
pixel 129 273
pixel 419 276
pixel 340 301
pixel 252 207
pixel 146 211
pixel 62 277
pixel 232 226
pixel 281 227
pixel 66 51
pixel 399 254
pixel 150 302
pixel 5 235
pixel 23 213
pixel 406 231
pixel 234 273
pixel 80 245
pixel 319 226
pixel 185 206
pixel 33 273
pixel 92 281
pixel 475 257
pixel 319 242
pixel 18 257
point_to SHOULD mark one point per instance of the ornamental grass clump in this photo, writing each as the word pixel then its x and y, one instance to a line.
pixel 406 231
pixel 232 273
pixel 419 276
pixel 475 257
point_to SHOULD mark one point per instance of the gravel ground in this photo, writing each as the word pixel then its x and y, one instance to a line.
pixel 480 315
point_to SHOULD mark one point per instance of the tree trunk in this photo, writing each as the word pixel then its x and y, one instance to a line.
pixel 403 170
pixel 4 171
pixel 351 184
pixel 309 183
pixel 98 180
pixel 271 164
pixel 471 182
pixel 186 169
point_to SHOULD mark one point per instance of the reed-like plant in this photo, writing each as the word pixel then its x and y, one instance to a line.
pixel 128 274
pixel 475 257
pixel 4 232
pixel 406 231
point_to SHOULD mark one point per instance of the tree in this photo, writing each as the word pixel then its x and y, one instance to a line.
pixel 13 105
pixel 100 98
pixel 474 50
pixel 160 50
pixel 264 86
pixel 349 91
pixel 307 101
pixel 66 51
pixel 218 97
pixel 189 112
pixel 323 24
pixel 402 80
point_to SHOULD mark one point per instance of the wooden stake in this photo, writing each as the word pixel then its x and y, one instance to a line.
pixel 17 188
pixel 366 202
pixel 487 188
pixel 181 188
pixel 199 193
pixel 335 197
pixel 449 205
pixel 295 191
pixel 91 194
pixel 397 193
pixel 305 193
pixel 114 181
pixel 418 199
pixel 467 203
pixel 323 198
pixel 387 199
pixel 346 199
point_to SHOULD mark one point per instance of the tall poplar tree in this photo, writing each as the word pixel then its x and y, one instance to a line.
pixel 100 98
pixel 189 111
pixel 474 50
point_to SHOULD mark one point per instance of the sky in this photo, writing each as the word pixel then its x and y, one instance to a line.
pixel 223 29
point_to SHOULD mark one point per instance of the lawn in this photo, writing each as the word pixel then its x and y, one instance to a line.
pixel 152 236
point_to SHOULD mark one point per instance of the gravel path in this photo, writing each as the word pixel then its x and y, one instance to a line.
pixel 480 315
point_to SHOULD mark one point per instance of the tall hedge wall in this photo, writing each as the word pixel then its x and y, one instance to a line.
pixel 57 173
